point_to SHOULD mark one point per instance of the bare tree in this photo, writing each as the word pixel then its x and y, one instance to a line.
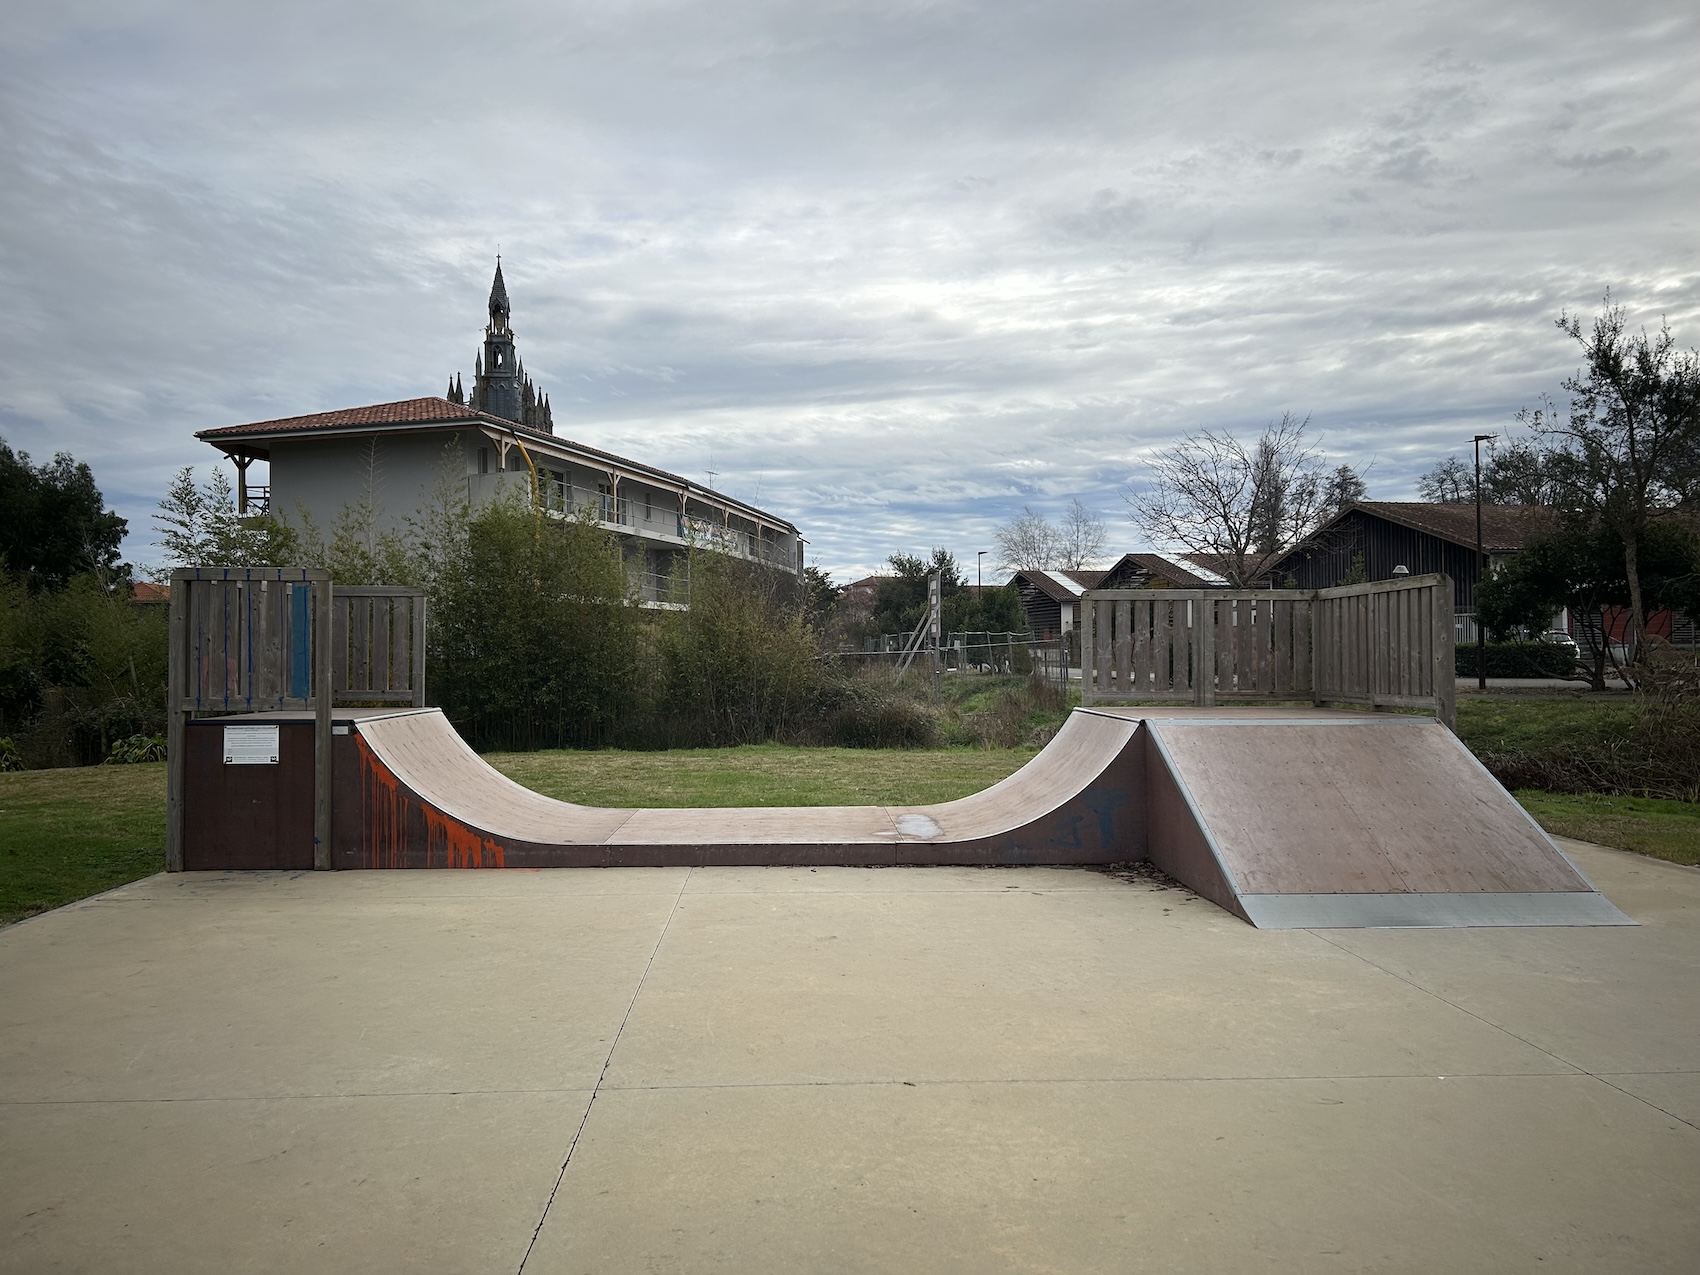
pixel 1080 538
pixel 1210 494
pixel 1625 451
pixel 1451 482
pixel 1027 542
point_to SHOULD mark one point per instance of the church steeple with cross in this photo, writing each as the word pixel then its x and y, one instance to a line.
pixel 499 383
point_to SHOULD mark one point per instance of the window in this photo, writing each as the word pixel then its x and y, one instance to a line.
pixel 483 460
pixel 648 507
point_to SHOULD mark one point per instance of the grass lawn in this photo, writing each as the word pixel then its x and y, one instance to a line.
pixel 1508 725
pixel 67 834
pixel 1649 825
pixel 762 775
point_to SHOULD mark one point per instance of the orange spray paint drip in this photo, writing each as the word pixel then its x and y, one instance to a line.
pixel 389 811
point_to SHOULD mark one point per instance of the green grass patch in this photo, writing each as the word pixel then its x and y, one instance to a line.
pixel 67 834
pixel 762 775
pixel 1648 825
pixel 1536 725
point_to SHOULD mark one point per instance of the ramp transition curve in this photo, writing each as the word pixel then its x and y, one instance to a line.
pixel 1287 818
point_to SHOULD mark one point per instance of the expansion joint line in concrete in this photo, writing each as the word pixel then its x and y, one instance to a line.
pixel 603 1074
pixel 1500 1027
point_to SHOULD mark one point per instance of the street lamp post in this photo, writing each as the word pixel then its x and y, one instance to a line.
pixel 979 581
pixel 1481 570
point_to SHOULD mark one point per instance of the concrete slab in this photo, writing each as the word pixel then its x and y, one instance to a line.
pixel 841 1069
pixel 339 991
pixel 1605 1000
pixel 1410 1174
pixel 394 1183
pixel 1024 984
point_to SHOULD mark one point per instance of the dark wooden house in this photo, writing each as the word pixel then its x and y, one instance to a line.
pixel 1051 599
pixel 1418 536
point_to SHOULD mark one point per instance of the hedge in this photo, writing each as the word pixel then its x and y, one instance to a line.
pixel 1518 659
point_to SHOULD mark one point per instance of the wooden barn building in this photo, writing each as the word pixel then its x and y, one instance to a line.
pixel 1418 536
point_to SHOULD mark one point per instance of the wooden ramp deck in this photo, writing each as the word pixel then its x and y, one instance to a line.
pixel 1286 817
pixel 1316 819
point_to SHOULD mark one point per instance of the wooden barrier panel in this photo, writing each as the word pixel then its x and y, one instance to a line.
pixel 378 645
pixel 1387 644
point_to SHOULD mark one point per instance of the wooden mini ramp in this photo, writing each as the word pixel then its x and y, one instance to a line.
pixel 1340 820
pixel 1287 818
pixel 426 800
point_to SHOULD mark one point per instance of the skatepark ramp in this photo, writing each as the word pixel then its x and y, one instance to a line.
pixel 1288 818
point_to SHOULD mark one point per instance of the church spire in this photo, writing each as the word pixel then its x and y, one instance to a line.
pixel 499 311
pixel 499 383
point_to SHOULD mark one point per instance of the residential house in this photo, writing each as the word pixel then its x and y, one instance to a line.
pixel 396 454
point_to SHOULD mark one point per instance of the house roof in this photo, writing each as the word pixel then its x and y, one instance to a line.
pixel 437 413
pixel 409 411
pixel 1504 527
pixel 1181 570
pixel 1059 586
pixel 147 591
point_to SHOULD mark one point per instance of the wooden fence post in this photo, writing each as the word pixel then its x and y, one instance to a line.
pixel 1204 623
pixel 322 859
pixel 176 727
pixel 1087 652
pixel 1445 658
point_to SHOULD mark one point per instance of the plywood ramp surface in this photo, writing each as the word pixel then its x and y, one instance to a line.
pixel 1358 807
pixel 423 752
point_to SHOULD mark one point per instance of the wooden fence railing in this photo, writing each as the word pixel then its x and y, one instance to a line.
pixel 1387 644
pixel 378 645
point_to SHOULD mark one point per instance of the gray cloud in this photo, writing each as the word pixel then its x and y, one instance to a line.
pixel 900 268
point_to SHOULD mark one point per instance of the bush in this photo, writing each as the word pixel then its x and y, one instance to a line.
pixel 9 758
pixel 534 642
pixel 137 748
pixel 741 665
pixel 867 709
pixel 1518 659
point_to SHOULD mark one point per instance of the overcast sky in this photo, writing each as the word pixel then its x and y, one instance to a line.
pixel 892 270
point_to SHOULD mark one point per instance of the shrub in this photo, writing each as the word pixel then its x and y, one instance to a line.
pixel 741 665
pixel 137 748
pixel 1518 659
pixel 9 758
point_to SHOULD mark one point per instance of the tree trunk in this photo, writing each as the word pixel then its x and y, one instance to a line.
pixel 1637 610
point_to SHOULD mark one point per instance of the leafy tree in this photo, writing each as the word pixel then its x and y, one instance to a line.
pixel 1579 565
pixel 741 664
pixel 198 526
pixel 56 524
pixel 1627 449
pixel 820 595
pixel 1211 494
pixel 900 599
pixel 1515 473
pixel 1341 489
pixel 534 637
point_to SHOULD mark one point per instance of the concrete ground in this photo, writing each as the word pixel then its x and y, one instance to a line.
pixel 837 1070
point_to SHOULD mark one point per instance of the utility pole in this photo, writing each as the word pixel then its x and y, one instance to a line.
pixel 1481 570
